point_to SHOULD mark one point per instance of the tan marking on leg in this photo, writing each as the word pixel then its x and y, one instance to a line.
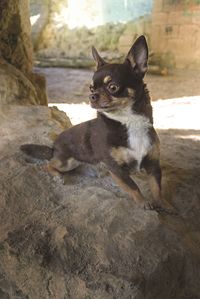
pixel 121 155
pixel 155 189
pixel 154 153
pixel 135 194
pixel 54 172
pixel 159 203
pixel 65 166
pixel 55 167
pixel 71 164
pixel 55 163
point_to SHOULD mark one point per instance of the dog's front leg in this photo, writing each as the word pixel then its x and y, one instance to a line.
pixel 152 167
pixel 123 179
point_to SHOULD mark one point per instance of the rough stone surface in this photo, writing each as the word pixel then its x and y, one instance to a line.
pixel 82 237
pixel 16 56
pixel 15 46
pixel 175 33
pixel 15 86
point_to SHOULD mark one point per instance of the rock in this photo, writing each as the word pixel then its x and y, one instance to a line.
pixel 39 14
pixel 15 45
pixel 39 83
pixel 132 30
pixel 19 85
pixel 16 88
pixel 87 239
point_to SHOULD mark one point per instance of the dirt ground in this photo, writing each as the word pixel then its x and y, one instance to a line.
pixel 71 85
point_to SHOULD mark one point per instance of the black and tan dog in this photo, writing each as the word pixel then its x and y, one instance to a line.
pixel 122 136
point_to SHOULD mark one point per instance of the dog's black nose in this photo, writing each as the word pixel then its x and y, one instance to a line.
pixel 94 97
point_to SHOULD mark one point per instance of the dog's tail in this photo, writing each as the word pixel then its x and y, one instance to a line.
pixel 37 151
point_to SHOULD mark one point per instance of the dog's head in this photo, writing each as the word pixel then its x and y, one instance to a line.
pixel 114 86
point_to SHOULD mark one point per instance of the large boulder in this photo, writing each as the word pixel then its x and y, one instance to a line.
pixel 15 46
pixel 16 56
pixel 82 237
pixel 16 88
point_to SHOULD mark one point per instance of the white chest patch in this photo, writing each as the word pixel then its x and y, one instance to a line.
pixel 137 127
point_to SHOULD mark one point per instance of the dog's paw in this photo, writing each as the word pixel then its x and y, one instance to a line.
pixel 163 207
pixel 148 206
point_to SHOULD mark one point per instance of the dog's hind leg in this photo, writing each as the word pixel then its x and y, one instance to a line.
pixel 56 166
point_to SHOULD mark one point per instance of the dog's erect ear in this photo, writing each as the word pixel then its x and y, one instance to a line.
pixel 99 61
pixel 138 55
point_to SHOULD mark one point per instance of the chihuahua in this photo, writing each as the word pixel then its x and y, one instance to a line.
pixel 122 135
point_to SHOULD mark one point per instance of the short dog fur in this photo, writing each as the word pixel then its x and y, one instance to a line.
pixel 122 136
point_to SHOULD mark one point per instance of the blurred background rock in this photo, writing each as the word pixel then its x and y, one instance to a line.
pixel 64 30
pixel 19 84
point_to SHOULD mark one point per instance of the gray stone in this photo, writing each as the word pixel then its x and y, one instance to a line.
pixel 18 83
pixel 87 239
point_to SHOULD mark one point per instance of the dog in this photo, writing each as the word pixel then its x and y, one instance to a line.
pixel 122 135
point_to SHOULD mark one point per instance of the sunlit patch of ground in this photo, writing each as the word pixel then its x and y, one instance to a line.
pixel 76 112
pixel 65 85
pixel 177 113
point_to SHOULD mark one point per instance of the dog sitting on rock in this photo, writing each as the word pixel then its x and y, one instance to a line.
pixel 122 136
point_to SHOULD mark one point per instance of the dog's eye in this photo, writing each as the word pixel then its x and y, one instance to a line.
pixel 91 88
pixel 112 87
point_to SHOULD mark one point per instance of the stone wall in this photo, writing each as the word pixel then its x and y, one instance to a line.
pixel 176 32
pixel 172 30
pixel 58 43
pixel 67 47
pixel 18 83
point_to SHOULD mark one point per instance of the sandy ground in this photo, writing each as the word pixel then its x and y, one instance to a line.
pixel 68 90
pixel 71 85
